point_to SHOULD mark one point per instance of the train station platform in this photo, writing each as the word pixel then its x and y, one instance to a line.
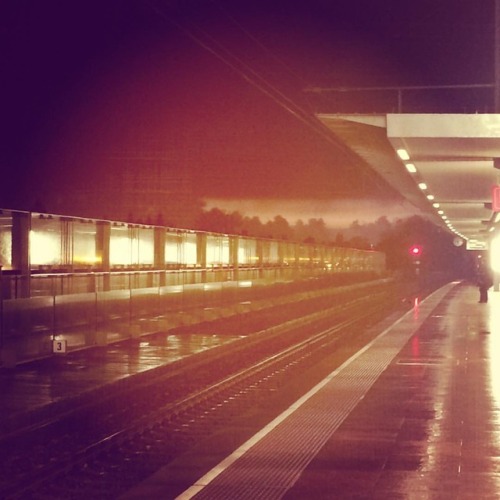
pixel 413 415
pixel 35 390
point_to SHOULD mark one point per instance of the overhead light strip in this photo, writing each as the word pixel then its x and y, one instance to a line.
pixel 412 169
pixel 403 154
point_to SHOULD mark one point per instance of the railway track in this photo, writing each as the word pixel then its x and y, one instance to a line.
pixel 102 450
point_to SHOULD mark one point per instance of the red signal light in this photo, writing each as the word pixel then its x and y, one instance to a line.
pixel 415 250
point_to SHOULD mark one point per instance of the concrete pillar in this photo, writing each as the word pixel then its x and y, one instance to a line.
pixel 201 250
pixel 233 255
pixel 103 237
pixel 159 251
pixel 260 257
pixel 21 225
pixel 201 255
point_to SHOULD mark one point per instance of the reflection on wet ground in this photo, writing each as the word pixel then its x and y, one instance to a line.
pixel 46 381
pixel 430 426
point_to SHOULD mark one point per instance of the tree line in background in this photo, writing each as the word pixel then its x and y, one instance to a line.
pixel 439 254
pixel 217 220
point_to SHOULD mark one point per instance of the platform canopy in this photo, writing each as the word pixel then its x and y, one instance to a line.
pixel 442 163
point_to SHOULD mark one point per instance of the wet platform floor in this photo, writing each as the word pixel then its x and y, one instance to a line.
pixel 39 384
pixel 429 428
pixel 426 426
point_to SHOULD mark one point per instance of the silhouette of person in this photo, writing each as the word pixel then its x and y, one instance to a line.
pixel 484 282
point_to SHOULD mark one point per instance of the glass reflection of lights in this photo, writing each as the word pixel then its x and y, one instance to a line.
pixel 6 249
pixel 44 248
pixel 190 253
pixel 174 340
pixel 211 286
pixel 243 256
pixel 120 252
pixel 125 250
pixel 245 283
pixel 217 251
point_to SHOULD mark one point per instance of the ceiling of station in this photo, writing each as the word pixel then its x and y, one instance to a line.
pixel 441 163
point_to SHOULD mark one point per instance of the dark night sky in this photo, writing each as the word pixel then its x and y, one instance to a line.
pixel 86 80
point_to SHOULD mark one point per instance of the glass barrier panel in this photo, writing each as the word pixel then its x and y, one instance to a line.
pixel 45 241
pixel 189 250
pixel 217 250
pixel 180 249
pixel 145 247
pixel 84 244
pixel 6 240
pixel 247 251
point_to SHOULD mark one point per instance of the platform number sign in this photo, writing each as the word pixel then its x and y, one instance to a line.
pixel 59 346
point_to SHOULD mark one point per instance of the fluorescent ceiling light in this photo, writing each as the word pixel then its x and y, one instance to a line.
pixel 411 168
pixel 403 154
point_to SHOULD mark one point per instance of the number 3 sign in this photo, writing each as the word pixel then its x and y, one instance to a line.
pixel 59 346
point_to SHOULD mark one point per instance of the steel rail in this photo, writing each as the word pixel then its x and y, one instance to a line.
pixel 166 413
